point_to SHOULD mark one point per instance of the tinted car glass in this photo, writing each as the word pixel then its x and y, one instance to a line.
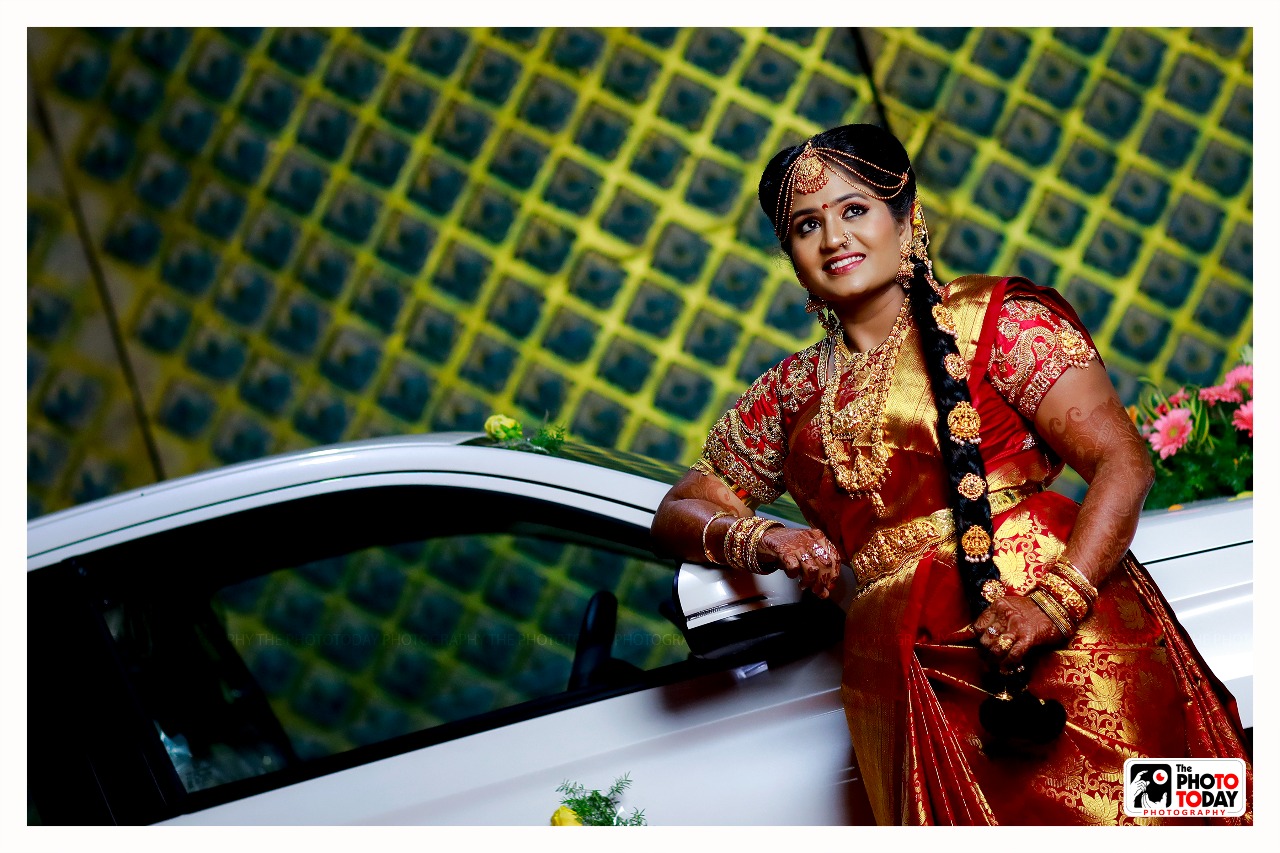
pixel 286 641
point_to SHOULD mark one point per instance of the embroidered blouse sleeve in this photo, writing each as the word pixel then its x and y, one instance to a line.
pixel 1034 346
pixel 746 447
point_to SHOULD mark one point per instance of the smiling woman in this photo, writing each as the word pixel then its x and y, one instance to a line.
pixel 983 678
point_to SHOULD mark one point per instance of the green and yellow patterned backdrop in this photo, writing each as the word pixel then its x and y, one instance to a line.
pixel 243 241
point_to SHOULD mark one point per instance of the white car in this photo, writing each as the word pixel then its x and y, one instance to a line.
pixel 430 630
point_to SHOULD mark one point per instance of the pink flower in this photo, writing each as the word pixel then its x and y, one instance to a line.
pixel 1170 432
pixel 1221 394
pixel 1240 376
pixel 1243 418
pixel 1177 398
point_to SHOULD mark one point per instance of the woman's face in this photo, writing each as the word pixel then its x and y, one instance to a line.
pixel 845 272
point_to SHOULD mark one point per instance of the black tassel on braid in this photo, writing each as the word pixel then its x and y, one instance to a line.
pixel 958 459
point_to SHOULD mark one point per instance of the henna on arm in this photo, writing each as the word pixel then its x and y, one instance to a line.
pixel 683 514
pixel 1082 419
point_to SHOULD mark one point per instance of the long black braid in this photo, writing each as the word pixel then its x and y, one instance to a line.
pixel 958 458
pixel 872 143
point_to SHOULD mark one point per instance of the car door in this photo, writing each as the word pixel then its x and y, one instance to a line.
pixel 217 660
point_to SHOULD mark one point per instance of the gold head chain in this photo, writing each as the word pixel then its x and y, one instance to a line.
pixel 810 172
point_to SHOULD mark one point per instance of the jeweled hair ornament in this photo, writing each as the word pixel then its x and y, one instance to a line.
pixel 964 424
pixel 976 544
pixel 811 171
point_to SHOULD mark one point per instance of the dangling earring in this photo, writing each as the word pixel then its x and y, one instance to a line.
pixel 830 322
pixel 906 269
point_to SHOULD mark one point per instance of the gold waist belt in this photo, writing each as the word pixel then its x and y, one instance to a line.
pixel 890 549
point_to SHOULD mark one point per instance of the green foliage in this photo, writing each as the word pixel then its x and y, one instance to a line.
pixel 549 437
pixel 596 809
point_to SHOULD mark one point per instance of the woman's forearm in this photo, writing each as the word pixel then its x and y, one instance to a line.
pixel 1103 446
pixel 688 512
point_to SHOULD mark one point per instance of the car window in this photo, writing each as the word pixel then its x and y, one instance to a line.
pixel 274 640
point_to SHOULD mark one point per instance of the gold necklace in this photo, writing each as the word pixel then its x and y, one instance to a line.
pixel 861 422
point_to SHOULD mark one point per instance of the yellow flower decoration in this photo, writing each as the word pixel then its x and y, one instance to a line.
pixel 503 428
pixel 565 816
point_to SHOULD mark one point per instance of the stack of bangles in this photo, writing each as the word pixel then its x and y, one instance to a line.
pixel 1065 595
pixel 741 542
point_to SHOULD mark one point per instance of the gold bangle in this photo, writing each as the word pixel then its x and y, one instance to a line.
pixel 1076 578
pixel 1053 610
pixel 753 547
pixel 735 549
pixel 1066 595
pixel 706 549
pixel 731 542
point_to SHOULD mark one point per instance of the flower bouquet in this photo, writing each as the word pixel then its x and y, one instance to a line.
pixel 1201 439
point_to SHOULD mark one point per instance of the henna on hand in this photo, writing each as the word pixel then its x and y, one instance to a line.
pixel 804 554
pixel 1023 621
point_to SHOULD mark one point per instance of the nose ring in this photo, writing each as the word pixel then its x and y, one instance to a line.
pixel 847 238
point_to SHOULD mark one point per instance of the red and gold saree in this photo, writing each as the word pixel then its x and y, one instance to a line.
pixel 1130 680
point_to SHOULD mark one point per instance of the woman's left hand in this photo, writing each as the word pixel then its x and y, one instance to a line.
pixel 1019 626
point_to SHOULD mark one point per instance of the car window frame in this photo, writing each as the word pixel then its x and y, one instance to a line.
pixel 170 799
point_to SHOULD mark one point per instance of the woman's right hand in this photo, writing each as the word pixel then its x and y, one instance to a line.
pixel 804 554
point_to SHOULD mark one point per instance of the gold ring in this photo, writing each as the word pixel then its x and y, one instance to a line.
pixel 1004 643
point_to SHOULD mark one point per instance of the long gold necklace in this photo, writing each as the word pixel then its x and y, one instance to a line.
pixel 860 424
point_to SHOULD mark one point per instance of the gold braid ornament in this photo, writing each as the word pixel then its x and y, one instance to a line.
pixel 861 422
pixel 964 424
pixel 992 590
pixel 976 543
pixel 972 486
pixel 956 367
pixel 945 319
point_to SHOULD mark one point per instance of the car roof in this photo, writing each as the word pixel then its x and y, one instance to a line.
pixel 453 452
pixel 616 475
